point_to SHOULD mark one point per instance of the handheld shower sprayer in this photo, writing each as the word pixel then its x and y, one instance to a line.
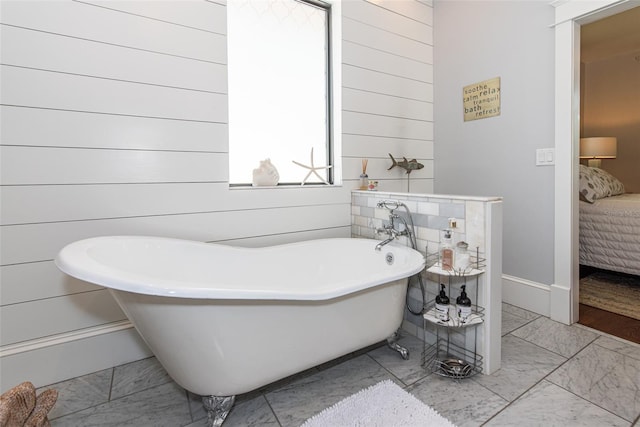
pixel 409 231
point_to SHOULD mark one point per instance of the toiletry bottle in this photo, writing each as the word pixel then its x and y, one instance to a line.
pixel 461 257
pixel 463 305
pixel 442 305
pixel 446 251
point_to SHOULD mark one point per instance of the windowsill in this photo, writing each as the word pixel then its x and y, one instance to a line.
pixel 284 186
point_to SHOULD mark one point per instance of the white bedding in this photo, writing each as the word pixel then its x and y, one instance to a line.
pixel 610 233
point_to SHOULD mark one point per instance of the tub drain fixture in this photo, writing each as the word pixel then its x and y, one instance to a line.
pixel 389 258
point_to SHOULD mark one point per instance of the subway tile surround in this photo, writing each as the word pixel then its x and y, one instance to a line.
pixel 430 213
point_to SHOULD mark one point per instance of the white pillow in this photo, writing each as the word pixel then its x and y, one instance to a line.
pixel 596 183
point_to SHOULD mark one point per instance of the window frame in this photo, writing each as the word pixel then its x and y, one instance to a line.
pixel 333 99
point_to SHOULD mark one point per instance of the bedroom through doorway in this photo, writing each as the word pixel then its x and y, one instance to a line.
pixel 609 242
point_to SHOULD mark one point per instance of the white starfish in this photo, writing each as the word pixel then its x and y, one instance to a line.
pixel 313 169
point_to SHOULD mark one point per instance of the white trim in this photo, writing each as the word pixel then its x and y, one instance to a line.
pixel 589 11
pixel 50 360
pixel 559 299
pixel 433 196
pixel 567 96
pixel 492 290
pixel 40 343
pixel 336 85
pixel 526 294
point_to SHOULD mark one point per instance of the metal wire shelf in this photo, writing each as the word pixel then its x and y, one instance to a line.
pixel 451 347
pixel 477 264
pixel 448 359
pixel 455 321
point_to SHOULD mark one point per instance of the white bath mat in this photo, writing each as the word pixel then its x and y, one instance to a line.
pixel 383 405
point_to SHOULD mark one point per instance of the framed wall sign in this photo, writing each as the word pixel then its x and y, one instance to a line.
pixel 481 100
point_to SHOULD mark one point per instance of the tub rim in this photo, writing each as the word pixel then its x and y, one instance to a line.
pixel 75 261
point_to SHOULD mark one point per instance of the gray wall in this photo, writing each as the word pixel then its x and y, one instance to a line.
pixel 476 41
pixel 114 121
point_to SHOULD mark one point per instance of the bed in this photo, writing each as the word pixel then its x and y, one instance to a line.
pixel 609 223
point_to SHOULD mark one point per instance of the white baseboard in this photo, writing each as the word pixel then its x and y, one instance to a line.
pixel 62 357
pixel 526 294
pixel 559 303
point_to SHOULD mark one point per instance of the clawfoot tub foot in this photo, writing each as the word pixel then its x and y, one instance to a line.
pixel 217 408
pixel 393 344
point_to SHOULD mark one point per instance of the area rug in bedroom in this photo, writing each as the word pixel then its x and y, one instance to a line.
pixel 612 292
pixel 382 405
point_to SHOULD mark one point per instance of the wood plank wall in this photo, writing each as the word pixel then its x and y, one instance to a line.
pixel 114 121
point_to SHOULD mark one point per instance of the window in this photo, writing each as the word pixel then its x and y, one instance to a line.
pixel 279 87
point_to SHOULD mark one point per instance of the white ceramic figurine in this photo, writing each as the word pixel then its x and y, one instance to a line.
pixel 266 174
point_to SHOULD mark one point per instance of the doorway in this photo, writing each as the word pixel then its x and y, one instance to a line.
pixel 609 63
pixel 570 16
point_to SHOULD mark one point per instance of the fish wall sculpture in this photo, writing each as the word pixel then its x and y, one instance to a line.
pixel 408 165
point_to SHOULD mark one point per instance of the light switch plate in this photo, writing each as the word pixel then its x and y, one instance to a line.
pixel 545 156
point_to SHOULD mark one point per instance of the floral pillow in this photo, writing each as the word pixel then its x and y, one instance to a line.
pixel 596 184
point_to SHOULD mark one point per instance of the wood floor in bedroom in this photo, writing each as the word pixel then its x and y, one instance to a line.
pixel 610 323
pixel 606 321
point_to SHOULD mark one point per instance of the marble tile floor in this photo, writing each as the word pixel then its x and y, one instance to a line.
pixel 551 375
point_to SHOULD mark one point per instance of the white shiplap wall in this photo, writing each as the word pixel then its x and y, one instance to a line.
pixel 387 78
pixel 114 121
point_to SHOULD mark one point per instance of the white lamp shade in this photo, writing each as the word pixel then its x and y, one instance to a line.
pixel 598 147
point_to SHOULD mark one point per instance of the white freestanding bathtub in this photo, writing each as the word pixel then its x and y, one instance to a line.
pixel 224 320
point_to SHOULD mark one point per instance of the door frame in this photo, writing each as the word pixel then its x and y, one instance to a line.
pixel 569 16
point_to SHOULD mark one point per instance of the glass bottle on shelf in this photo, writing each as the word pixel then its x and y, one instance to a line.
pixel 461 257
pixel 446 251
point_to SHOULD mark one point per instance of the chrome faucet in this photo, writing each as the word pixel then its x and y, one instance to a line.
pixel 391 231
pixel 384 242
